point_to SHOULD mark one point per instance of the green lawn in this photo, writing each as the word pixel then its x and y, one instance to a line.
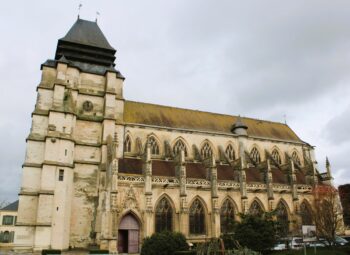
pixel 319 251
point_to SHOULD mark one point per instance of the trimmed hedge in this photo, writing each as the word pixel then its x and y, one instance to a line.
pixel 99 252
pixel 44 252
pixel 164 243
pixel 185 253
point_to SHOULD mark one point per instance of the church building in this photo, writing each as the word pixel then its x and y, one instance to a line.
pixel 102 170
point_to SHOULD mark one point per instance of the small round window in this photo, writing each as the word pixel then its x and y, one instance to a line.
pixel 88 106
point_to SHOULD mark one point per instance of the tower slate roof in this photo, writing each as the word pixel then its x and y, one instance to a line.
pixel 87 33
pixel 86 43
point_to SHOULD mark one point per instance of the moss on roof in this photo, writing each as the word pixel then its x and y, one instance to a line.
pixel 165 116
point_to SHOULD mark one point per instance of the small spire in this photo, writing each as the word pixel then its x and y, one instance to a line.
pixel 239 127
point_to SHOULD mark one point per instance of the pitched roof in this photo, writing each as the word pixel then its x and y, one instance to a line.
pixel 165 116
pixel 88 33
pixel 85 43
pixel 11 207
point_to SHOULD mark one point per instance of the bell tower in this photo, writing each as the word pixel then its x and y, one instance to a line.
pixel 79 106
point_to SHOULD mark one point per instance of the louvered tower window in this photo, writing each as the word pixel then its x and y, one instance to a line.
pixel 164 216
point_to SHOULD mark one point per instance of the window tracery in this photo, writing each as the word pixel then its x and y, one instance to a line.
pixel 164 216
pixel 296 158
pixel 255 209
pixel 227 215
pixel 255 155
pixel 197 218
pixel 276 156
pixel 206 150
pixel 230 152
pixel 178 146
pixel 282 220
pixel 153 145
pixel 127 144
pixel 305 214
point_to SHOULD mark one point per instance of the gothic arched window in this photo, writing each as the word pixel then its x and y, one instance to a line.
pixel 227 215
pixel 282 220
pixel 197 218
pixel 206 150
pixel 127 144
pixel 255 155
pixel 305 214
pixel 230 152
pixel 276 156
pixel 296 158
pixel 164 216
pixel 178 146
pixel 255 209
pixel 153 145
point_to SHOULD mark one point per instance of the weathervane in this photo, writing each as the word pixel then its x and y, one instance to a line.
pixel 97 14
pixel 80 5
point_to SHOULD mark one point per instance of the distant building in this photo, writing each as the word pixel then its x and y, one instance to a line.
pixel 344 193
pixel 8 218
pixel 100 169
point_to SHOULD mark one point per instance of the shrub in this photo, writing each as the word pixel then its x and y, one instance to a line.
pixel 44 252
pixel 256 233
pixel 164 243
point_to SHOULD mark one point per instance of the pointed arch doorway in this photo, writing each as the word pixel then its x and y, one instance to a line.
pixel 128 234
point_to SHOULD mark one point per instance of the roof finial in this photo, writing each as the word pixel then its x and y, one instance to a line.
pixel 285 118
pixel 80 5
pixel 97 14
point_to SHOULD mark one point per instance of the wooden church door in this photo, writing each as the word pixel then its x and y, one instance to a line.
pixel 128 235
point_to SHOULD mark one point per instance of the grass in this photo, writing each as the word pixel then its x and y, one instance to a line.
pixel 319 251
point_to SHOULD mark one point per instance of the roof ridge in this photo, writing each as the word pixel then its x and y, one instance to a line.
pixel 214 113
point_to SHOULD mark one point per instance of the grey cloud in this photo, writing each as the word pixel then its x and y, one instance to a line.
pixel 337 130
pixel 255 58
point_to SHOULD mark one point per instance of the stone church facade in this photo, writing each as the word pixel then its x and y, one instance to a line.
pixel 102 170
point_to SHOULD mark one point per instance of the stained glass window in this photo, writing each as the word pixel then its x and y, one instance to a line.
pixel 164 216
pixel 197 218
pixel 227 215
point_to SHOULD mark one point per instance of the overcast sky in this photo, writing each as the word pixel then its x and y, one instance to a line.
pixel 262 59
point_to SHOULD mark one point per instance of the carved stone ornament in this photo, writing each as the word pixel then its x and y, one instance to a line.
pixel 130 201
pixel 88 106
